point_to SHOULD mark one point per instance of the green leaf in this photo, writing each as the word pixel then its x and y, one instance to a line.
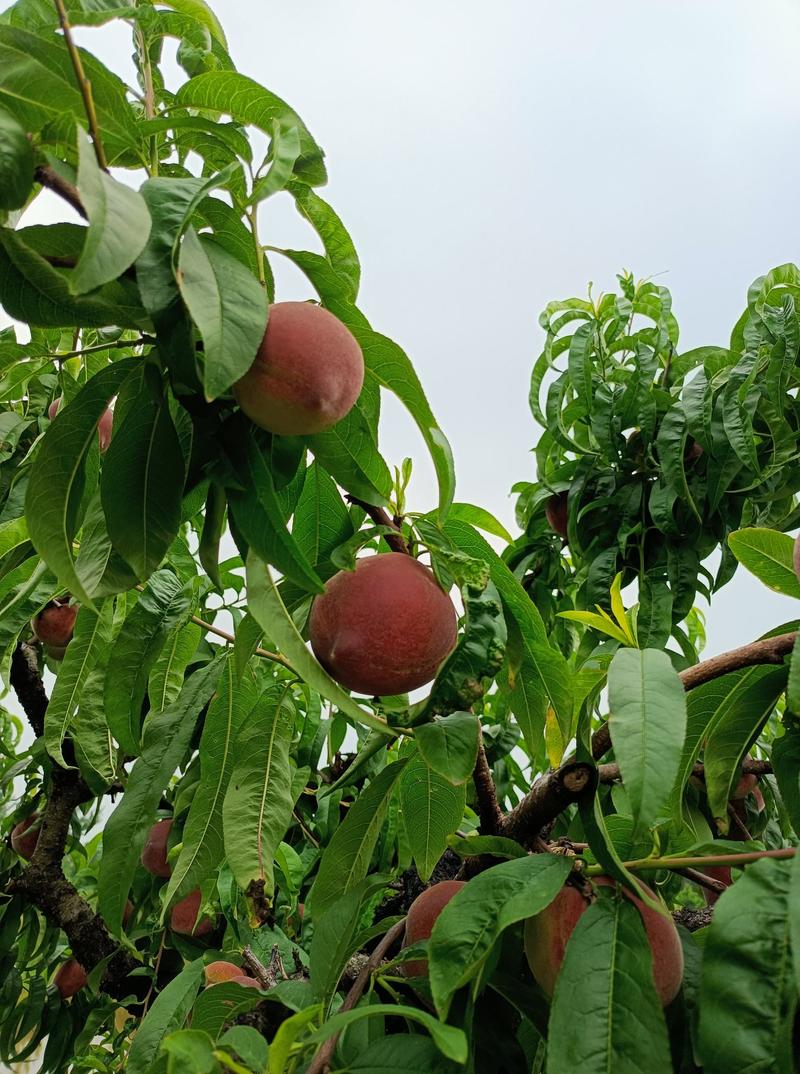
pixel 202 849
pixel 400 1053
pixel 119 223
pixel 748 996
pixel 199 10
pixel 248 1044
pixel 495 845
pixel 163 605
pixel 786 766
pixel 90 639
pixel 266 606
pixel 283 1042
pixel 166 741
pixel 166 677
pixel 768 555
pixel 449 745
pixel 285 150
pixel 229 307
pixel 339 248
pixel 528 702
pixel 450 1040
pixel 258 804
pixel 432 810
pixel 321 520
pixel 94 748
pixel 728 740
pixel 469 925
pixel 336 936
pixel 56 484
pixel 350 455
pixel 12 534
pixel 347 857
pixel 168 1013
pixel 647 721
pixel 16 163
pixel 189 1051
pixel 249 103
pixel 481 519
pixel 794 916
pixel 605 987
pixel 141 485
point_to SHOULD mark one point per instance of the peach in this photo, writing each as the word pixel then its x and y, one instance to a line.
pixel 546 937
pixel 384 628
pixel 25 836
pixel 70 978
pixel 104 426
pixel 218 972
pixel 127 913
pixel 245 981
pixel 54 624
pixel 716 872
pixel 154 855
pixel 422 915
pixel 556 513
pixel 307 374
pixel 183 918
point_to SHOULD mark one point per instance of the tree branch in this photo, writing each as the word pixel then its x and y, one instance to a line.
pixel 28 686
pixel 610 773
pixel 548 798
pixel 49 177
pixel 489 811
pixel 321 1061
pixel 764 651
pixel 396 541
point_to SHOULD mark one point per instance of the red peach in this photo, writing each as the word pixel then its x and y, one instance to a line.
pixel 54 624
pixel 716 872
pixel 245 981
pixel 183 918
pixel 557 512
pixel 218 972
pixel 104 426
pixel 384 628
pixel 23 839
pixel 421 918
pixel 546 937
pixel 154 855
pixel 70 978
pixel 307 374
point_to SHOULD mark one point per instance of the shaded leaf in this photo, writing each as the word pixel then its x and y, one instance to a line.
pixel 432 809
pixel 168 1013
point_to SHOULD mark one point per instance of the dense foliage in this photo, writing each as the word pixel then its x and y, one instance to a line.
pixel 575 849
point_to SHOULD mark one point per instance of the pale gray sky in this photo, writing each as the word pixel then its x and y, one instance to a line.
pixel 488 157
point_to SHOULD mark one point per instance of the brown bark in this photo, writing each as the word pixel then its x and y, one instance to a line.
pixel 548 798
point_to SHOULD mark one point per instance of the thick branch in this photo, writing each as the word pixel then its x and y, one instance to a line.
pixel 610 773
pixel 396 541
pixel 765 651
pixel 548 798
pixel 28 686
pixel 321 1061
pixel 488 809
pixel 49 177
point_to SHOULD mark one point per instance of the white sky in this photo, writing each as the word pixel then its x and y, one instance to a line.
pixel 490 157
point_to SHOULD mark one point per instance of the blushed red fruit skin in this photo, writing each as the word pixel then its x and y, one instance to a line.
pixel 384 628
pixel 23 842
pixel 183 918
pixel 104 426
pixel 245 981
pixel 546 937
pixel 218 972
pixel 422 915
pixel 716 872
pixel 154 855
pixel 53 626
pixel 556 513
pixel 70 978
pixel 307 374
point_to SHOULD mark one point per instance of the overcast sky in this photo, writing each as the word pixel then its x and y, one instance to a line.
pixel 490 157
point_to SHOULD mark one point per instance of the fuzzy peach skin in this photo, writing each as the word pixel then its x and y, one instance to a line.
pixel 421 918
pixel 183 918
pixel 154 854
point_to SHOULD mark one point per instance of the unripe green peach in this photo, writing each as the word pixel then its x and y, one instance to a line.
pixel 557 512
pixel 25 836
pixel 307 374
pixel 183 918
pixel 546 937
pixel 154 855
pixel 70 978
pixel 421 918
pixel 55 623
pixel 384 628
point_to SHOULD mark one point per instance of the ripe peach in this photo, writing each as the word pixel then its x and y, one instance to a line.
pixel 53 626
pixel 716 872
pixel 245 981
pixel 25 836
pixel 104 426
pixel 422 915
pixel 384 628
pixel 220 971
pixel 546 937
pixel 183 918
pixel 127 913
pixel 70 978
pixel 557 513
pixel 154 855
pixel 691 452
pixel 307 374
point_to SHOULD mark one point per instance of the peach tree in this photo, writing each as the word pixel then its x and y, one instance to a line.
pixel 299 775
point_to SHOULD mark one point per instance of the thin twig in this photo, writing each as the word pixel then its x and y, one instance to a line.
pixel 766 651
pixel 84 85
pixel 396 541
pixel 320 1063
pixel 117 344
pixel 276 658
pixel 704 881
pixel 49 177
